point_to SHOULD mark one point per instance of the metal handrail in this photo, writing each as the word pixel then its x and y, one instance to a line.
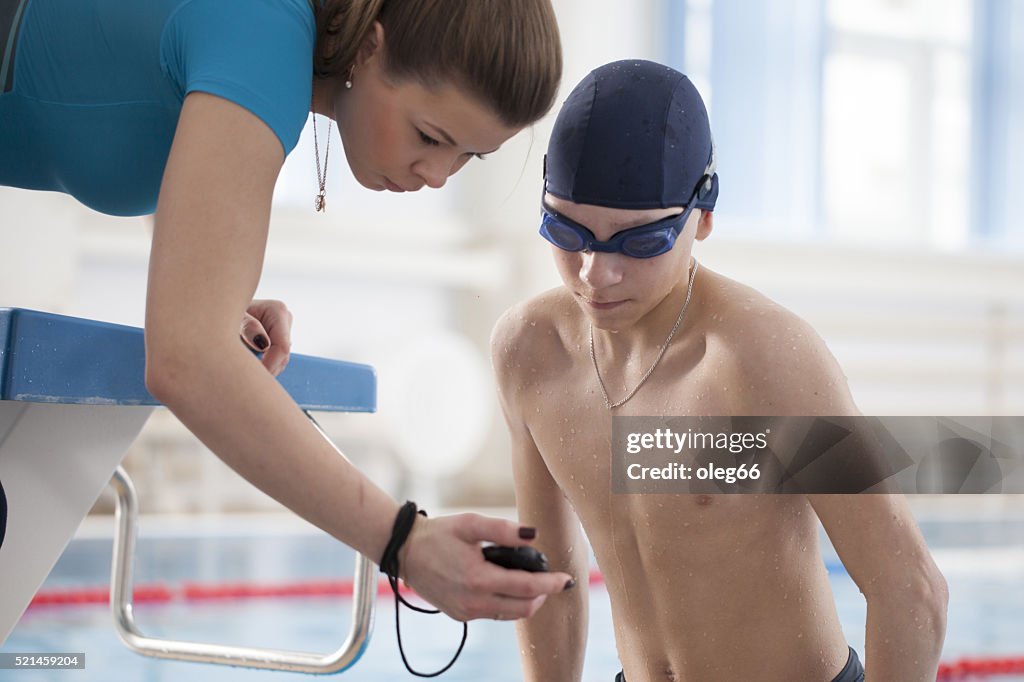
pixel 364 594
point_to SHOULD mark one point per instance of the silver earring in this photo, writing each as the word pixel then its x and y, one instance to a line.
pixel 348 82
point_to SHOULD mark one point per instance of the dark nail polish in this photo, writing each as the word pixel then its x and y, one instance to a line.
pixel 527 533
pixel 261 342
pixel 569 584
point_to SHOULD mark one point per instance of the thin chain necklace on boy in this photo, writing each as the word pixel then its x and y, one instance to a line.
pixel 664 347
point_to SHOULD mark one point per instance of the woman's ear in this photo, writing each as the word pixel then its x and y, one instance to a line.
pixel 372 46
pixel 705 225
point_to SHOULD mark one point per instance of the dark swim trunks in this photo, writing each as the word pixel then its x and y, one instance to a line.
pixel 852 672
pixel 3 514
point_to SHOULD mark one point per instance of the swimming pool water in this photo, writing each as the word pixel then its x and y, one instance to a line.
pixel 983 562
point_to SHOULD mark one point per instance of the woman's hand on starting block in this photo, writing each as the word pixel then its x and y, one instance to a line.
pixel 267 328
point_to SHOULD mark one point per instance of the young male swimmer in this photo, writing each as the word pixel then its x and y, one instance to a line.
pixel 704 588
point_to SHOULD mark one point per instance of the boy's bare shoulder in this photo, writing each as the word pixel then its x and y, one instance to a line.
pixel 538 329
pixel 774 359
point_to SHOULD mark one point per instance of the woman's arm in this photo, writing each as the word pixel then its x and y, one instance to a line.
pixel 208 245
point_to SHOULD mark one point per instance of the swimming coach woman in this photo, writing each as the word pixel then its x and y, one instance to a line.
pixel 187 109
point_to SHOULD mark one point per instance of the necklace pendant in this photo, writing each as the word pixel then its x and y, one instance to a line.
pixel 321 203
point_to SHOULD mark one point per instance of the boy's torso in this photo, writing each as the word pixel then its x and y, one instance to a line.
pixel 703 587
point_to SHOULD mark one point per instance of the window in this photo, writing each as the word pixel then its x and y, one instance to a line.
pixel 878 120
pixel 896 121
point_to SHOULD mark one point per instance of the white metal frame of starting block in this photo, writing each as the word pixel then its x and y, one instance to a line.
pixel 72 400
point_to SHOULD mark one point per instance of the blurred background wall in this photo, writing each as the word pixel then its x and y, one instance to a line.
pixel 867 153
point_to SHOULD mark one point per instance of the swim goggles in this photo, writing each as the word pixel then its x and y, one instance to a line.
pixel 642 241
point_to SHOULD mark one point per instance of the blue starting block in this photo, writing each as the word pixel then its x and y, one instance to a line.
pixel 72 400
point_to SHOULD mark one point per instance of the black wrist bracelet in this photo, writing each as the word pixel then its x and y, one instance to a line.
pixel 389 565
pixel 404 522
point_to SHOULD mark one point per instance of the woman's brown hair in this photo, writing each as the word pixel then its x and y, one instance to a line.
pixel 505 52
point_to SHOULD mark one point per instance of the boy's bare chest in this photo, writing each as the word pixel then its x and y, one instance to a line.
pixel 572 425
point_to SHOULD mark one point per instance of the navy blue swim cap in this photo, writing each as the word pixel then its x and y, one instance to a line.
pixel 633 134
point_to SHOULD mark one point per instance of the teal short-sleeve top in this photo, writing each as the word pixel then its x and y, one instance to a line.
pixel 91 90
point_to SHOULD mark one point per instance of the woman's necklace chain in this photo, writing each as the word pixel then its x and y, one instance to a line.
pixel 321 198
